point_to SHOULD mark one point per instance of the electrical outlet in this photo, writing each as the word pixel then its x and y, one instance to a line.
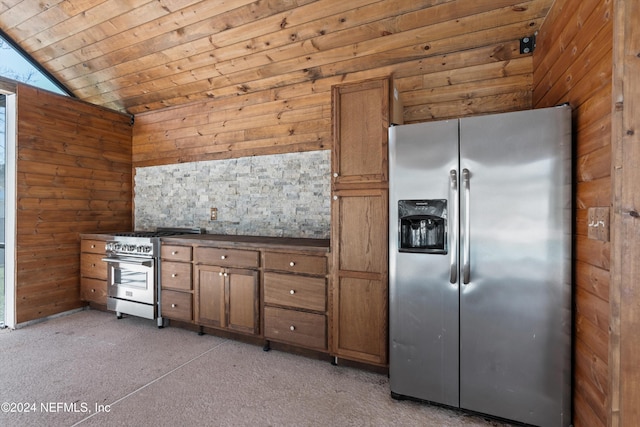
pixel 598 224
pixel 214 214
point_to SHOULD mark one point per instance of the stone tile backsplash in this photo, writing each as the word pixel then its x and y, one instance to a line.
pixel 285 195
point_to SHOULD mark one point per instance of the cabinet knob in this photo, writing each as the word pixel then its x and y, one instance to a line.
pixel 93 265
pixel 223 257
pixel 174 275
pixel 174 252
pixel 93 246
pixel 225 274
pixel 335 174
pixel 292 328
pixel 292 292
pixel 174 305
pixel 220 273
pixel 292 264
pixel 335 197
pixel 93 290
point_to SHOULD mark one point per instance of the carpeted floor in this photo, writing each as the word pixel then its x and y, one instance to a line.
pixel 90 369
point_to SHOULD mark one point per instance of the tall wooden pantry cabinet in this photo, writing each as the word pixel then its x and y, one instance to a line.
pixel 362 113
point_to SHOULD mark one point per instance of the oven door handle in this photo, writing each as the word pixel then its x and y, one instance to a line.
pixel 144 263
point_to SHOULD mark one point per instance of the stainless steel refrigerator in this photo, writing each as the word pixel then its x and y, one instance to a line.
pixel 480 214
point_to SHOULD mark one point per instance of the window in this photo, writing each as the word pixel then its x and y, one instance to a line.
pixel 16 66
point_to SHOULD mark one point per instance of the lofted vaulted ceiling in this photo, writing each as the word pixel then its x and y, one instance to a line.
pixel 140 55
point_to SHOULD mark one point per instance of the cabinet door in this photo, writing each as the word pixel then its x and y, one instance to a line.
pixel 360 278
pixel 175 275
pixel 91 265
pixel 360 333
pixel 177 305
pixel 360 230
pixel 210 296
pixel 242 300
pixel 94 290
pixel 360 136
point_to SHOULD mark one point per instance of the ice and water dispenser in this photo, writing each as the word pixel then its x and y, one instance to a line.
pixel 423 226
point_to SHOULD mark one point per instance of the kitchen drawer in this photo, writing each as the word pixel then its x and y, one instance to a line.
pixel 295 263
pixel 177 305
pixel 176 275
pixel 93 246
pixel 91 265
pixel 227 257
pixel 295 327
pixel 93 290
pixel 295 291
pixel 175 253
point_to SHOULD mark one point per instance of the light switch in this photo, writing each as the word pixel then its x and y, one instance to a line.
pixel 598 224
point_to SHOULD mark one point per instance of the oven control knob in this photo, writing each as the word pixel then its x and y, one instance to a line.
pixel 292 292
pixel 292 263
pixel 292 328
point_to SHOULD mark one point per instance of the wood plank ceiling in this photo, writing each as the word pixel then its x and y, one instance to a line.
pixel 141 55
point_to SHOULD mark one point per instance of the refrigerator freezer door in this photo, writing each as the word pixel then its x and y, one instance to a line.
pixel 515 311
pixel 423 308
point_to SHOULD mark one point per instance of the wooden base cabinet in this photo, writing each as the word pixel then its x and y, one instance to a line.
pixel 295 299
pixel 269 287
pixel 227 297
pixel 176 295
pixel 93 271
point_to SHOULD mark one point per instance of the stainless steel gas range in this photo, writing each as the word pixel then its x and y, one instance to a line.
pixel 133 263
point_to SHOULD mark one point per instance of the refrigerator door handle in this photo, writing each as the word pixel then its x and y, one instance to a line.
pixel 453 227
pixel 466 250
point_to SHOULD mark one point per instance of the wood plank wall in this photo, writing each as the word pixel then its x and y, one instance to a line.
pixel 624 338
pixel 74 176
pixel 487 74
pixel 573 63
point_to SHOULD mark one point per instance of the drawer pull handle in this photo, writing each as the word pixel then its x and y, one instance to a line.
pixel 292 264
pixel 174 275
pixel 223 257
pixel 174 305
pixel 292 328
pixel 292 292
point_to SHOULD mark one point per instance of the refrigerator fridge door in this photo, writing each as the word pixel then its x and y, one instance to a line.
pixel 423 295
pixel 515 301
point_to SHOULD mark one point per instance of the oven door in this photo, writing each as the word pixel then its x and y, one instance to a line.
pixel 131 286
